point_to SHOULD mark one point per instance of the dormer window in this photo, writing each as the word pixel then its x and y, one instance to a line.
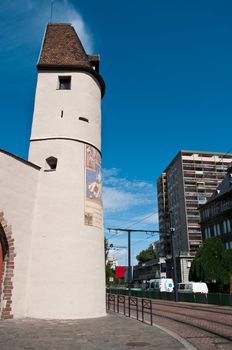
pixel 64 83
pixel 51 164
pixel 94 61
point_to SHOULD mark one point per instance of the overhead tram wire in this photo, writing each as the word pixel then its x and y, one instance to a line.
pixel 134 243
pixel 129 231
pixel 133 223
pixel 142 240
pixel 146 217
pixel 112 235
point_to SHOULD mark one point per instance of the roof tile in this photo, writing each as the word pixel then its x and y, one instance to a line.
pixel 62 46
pixel 62 49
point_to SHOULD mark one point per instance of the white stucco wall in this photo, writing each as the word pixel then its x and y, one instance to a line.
pixel 67 263
pixel 17 198
pixel 83 100
pixel 67 269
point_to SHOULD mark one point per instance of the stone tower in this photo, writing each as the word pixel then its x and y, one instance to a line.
pixel 66 263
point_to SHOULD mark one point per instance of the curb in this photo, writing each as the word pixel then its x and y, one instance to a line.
pixel 181 340
pixel 184 342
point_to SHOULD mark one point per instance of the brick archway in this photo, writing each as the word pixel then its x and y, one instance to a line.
pixel 1 261
pixel 7 256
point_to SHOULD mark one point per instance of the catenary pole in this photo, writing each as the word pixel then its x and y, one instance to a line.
pixel 129 260
pixel 172 232
pixel 129 231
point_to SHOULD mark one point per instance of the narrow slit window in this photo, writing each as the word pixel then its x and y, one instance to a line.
pixel 64 83
pixel 84 119
pixel 51 164
pixel 62 114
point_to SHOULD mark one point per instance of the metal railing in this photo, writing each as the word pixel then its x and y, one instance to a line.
pixel 130 306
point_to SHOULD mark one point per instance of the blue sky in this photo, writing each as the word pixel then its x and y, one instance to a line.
pixel 167 68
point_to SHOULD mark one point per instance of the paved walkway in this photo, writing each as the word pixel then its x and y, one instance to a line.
pixel 113 332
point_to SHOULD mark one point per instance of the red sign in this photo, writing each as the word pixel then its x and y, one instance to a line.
pixel 120 271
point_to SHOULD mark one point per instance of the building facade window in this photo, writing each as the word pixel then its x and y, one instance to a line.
pixel 200 185
pixel 224 226
pixel 228 225
pixel 215 230
pixel 228 245
pixel 64 83
pixel 209 232
pixel 51 164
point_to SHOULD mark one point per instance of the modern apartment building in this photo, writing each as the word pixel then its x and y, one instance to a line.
pixel 216 214
pixel 188 181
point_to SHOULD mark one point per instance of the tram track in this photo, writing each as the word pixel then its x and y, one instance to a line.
pixel 213 309
pixel 204 329
pixel 194 324
pixel 199 317
pixel 200 327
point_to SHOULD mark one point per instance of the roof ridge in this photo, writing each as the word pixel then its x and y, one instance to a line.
pixel 59 23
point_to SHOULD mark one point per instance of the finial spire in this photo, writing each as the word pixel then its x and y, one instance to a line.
pixel 51 12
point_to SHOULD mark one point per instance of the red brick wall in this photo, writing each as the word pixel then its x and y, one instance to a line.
pixel 6 277
pixel 1 261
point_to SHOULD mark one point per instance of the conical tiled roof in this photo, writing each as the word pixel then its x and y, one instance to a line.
pixel 62 46
pixel 63 49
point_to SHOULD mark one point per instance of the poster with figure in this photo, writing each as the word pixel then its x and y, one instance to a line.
pixel 93 187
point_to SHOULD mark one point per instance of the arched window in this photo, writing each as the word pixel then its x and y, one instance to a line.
pixel 51 164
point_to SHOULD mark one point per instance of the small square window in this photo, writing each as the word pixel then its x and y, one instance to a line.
pixel 64 83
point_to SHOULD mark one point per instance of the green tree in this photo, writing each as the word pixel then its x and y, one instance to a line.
pixel 109 271
pixel 227 265
pixel 196 272
pixel 107 248
pixel 148 254
pixel 212 262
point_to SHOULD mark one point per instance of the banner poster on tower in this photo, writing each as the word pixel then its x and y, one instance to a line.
pixel 93 187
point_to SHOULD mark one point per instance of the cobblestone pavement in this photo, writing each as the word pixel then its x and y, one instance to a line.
pixel 199 324
pixel 113 332
pixel 206 327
